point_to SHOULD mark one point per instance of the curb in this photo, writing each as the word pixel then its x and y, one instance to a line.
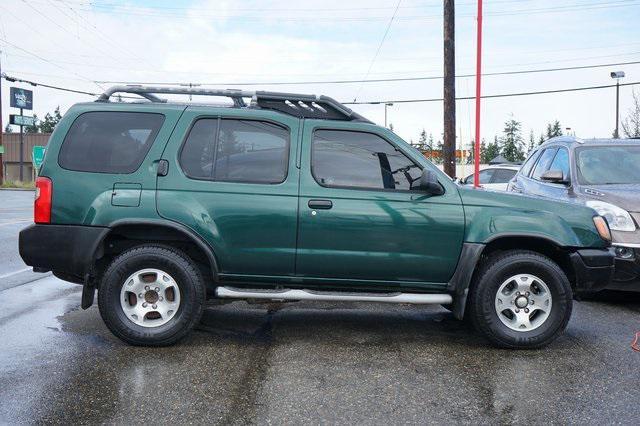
pixel 17 189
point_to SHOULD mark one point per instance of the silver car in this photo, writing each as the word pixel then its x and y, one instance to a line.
pixel 603 174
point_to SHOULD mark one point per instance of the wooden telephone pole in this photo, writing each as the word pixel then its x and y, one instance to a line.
pixel 449 143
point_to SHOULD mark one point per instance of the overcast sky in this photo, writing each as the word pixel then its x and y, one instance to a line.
pixel 76 43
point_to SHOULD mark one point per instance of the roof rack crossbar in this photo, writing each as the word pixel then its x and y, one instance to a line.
pixel 321 107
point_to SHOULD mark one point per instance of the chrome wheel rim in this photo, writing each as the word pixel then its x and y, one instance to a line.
pixel 523 302
pixel 150 297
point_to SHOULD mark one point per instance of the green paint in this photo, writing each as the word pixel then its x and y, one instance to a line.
pixel 266 233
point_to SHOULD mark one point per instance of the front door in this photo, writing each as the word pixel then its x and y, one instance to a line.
pixel 361 218
pixel 233 179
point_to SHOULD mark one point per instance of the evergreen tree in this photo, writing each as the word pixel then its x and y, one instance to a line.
pixel 422 140
pixel 391 126
pixel 50 121
pixel 541 139
pixel 532 142
pixel 512 142
pixel 492 151
pixel 554 129
pixel 35 128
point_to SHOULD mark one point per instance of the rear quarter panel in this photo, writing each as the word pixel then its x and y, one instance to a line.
pixel 84 198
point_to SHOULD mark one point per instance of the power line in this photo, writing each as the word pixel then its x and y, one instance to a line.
pixel 399 101
pixel 155 13
pixel 501 95
pixel 375 56
pixel 382 80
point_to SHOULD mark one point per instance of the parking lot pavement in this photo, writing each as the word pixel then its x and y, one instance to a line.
pixel 308 362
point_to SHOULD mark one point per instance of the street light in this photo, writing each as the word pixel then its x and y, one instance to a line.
pixel 388 104
pixel 617 75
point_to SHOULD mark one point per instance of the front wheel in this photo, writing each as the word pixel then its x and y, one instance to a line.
pixel 521 299
pixel 151 295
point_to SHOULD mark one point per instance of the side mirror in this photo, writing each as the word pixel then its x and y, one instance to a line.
pixel 429 183
pixel 554 176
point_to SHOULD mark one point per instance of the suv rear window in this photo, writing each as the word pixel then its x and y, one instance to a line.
pixel 109 142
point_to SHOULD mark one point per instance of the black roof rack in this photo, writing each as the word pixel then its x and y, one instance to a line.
pixel 301 106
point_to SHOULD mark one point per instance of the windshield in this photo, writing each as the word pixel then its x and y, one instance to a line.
pixel 608 165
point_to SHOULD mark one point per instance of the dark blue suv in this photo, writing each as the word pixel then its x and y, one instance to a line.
pixel 604 174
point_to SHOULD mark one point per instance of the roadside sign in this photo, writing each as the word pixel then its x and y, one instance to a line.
pixel 38 156
pixel 21 120
pixel 21 98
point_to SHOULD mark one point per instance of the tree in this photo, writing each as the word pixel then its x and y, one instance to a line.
pixel 554 129
pixel 391 126
pixel 541 140
pixel 35 128
pixel 50 121
pixel 532 142
pixel 512 143
pixel 422 140
pixel 8 128
pixel 631 123
pixel 492 151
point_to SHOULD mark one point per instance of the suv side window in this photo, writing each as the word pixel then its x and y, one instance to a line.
pixel 544 162
pixel 561 162
pixel 528 165
pixel 360 160
pixel 236 151
pixel 109 141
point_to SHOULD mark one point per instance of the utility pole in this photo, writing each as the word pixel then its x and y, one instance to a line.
pixel 1 126
pixel 449 143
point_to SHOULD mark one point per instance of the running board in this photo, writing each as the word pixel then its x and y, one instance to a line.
pixel 334 296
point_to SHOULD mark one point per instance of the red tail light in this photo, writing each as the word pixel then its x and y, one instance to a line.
pixel 42 204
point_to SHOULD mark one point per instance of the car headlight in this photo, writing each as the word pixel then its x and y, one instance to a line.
pixel 619 219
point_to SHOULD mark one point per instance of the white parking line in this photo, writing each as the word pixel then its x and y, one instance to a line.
pixel 14 273
pixel 15 222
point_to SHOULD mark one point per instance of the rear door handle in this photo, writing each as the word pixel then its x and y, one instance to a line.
pixel 320 204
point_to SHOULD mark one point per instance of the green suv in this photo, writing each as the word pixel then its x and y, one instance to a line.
pixel 161 206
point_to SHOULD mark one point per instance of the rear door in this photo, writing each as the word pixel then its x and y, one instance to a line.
pixel 232 178
pixel 359 219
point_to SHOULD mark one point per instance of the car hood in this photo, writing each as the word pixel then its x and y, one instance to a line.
pixel 625 196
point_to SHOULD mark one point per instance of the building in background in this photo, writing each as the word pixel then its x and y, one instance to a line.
pixel 11 156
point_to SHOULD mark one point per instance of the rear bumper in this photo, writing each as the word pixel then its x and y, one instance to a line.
pixel 63 249
pixel 594 268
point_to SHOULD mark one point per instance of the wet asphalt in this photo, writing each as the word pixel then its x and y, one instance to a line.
pixel 301 362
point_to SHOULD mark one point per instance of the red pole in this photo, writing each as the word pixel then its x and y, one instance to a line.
pixel 476 156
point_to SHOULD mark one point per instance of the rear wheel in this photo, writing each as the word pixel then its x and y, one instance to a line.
pixel 151 295
pixel 520 299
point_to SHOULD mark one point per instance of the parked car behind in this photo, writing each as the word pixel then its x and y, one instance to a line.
pixel 495 177
pixel 161 206
pixel 603 174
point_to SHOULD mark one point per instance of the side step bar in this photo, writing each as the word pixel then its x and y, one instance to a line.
pixel 334 296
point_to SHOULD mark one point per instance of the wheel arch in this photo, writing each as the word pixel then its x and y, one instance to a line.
pixel 474 255
pixel 154 230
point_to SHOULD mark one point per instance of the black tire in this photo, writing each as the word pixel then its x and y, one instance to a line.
pixel 482 311
pixel 165 258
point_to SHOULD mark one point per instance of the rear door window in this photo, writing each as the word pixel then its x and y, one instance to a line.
pixel 109 141
pixel 243 151
pixel 503 175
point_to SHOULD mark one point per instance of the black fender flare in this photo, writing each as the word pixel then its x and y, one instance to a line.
pixel 89 285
